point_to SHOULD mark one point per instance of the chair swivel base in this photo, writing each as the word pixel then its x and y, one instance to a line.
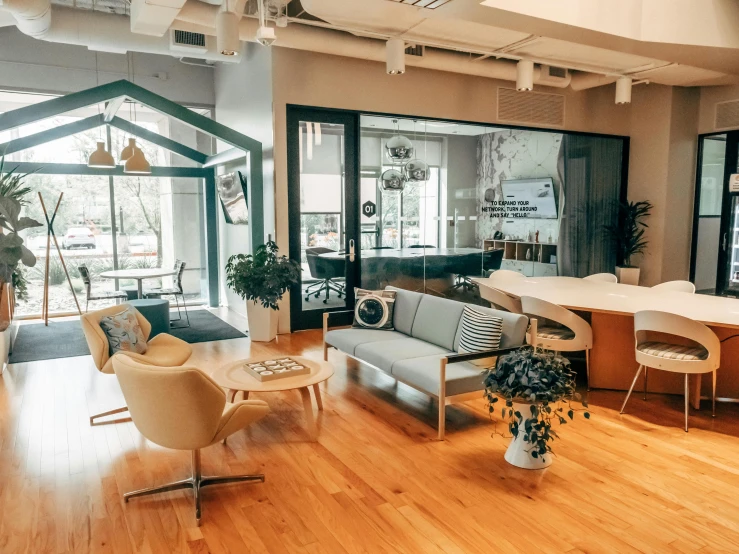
pixel 196 482
pixel 110 421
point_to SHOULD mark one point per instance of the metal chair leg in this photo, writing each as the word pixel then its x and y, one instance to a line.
pixel 195 482
pixel 587 367
pixel 633 383
pixel 184 307
pixel 687 404
pixel 713 395
pixel 646 369
pixel 110 421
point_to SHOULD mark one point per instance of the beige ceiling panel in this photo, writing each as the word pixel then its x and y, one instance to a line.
pixel 473 36
pixel 375 16
pixel 683 76
pixel 580 54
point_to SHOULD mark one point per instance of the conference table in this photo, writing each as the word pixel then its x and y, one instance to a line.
pixel 406 253
pixel 610 307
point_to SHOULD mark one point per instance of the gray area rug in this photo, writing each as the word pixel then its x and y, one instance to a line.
pixel 64 339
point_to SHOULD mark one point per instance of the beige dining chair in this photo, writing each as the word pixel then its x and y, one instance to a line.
pixel 678 286
pixel 184 409
pixel 570 334
pixel 499 299
pixel 703 356
pixel 602 277
pixel 163 350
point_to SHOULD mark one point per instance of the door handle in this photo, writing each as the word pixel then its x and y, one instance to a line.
pixel 350 255
pixel 724 242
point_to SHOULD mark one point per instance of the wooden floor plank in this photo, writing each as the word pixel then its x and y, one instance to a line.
pixel 375 481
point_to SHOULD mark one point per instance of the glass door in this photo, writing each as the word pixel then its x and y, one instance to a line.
pixel 728 258
pixel 323 196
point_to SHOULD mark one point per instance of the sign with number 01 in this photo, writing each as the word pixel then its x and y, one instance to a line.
pixel 369 209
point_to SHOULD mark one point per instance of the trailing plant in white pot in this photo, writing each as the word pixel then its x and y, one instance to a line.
pixel 537 390
pixel 262 279
pixel 629 238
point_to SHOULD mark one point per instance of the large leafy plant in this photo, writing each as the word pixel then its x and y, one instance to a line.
pixel 545 383
pixel 12 249
pixel 262 277
pixel 629 233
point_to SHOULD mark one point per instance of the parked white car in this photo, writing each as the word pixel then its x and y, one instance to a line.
pixel 78 237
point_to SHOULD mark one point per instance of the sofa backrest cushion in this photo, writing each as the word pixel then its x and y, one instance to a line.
pixel 437 321
pixel 514 327
pixel 406 304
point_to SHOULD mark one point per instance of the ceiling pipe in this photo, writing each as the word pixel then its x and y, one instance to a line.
pixel 197 17
pixel 33 17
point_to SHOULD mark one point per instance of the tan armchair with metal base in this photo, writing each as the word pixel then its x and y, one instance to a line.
pixel 163 350
pixel 184 409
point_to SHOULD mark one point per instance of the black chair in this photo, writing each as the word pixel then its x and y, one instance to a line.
pixel 421 246
pixel 473 266
pixel 326 270
pixel 99 295
pixel 175 291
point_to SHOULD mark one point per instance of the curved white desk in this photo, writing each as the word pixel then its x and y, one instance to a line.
pixel 612 307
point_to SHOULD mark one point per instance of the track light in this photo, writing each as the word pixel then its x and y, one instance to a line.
pixel 525 75
pixel 395 56
pixel 100 157
pixel 227 33
pixel 623 90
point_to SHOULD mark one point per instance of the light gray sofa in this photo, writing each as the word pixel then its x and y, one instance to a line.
pixel 422 351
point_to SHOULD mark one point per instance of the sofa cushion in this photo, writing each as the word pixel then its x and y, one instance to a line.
pixel 374 309
pixel 514 327
pixel 347 340
pixel 423 373
pixel 437 320
pixel 383 354
pixel 406 304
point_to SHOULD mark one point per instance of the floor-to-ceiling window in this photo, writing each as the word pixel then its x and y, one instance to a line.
pixel 157 219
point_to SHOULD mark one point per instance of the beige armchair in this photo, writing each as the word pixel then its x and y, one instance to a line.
pixel 163 350
pixel 184 409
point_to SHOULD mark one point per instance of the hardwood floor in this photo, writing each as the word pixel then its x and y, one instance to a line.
pixel 376 481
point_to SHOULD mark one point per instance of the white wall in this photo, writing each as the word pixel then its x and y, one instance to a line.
pixel 244 102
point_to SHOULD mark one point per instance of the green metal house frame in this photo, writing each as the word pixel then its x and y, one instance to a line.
pixel 114 95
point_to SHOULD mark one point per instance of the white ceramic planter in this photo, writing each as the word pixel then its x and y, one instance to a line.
pixel 518 451
pixel 628 275
pixel 262 322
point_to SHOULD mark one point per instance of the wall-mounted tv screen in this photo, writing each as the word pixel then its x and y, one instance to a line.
pixel 529 198
pixel 232 192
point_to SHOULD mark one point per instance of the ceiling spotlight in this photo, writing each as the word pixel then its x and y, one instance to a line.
pixel 227 33
pixel 266 36
pixel 525 75
pixel 395 56
pixel 100 157
pixel 623 90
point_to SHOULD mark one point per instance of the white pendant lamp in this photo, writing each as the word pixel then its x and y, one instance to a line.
pixel 100 157
pixel 127 152
pixel 137 164
pixel 395 56
pixel 525 76
pixel 623 90
pixel 227 33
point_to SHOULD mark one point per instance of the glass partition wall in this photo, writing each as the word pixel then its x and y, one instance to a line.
pixel 440 204
pixel 157 219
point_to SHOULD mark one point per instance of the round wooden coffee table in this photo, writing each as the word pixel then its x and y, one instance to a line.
pixel 235 378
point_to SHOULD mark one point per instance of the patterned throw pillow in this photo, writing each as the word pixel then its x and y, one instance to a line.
pixel 124 332
pixel 374 309
pixel 480 331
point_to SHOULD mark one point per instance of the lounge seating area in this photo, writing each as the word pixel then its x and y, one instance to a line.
pixel 369 276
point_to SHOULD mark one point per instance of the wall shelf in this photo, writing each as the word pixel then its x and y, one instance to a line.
pixel 514 256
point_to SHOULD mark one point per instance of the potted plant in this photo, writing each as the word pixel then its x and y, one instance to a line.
pixel 537 389
pixel 629 238
pixel 261 279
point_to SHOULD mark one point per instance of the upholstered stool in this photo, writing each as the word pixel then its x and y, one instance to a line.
pixel 156 312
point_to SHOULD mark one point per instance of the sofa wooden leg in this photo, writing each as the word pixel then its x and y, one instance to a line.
pixel 442 421
pixel 442 398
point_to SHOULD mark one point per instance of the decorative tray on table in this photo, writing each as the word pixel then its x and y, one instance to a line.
pixel 279 368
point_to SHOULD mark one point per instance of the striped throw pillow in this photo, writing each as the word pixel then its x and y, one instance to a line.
pixel 480 331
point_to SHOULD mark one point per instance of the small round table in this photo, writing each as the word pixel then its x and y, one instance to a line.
pixel 138 274
pixel 156 312
pixel 235 378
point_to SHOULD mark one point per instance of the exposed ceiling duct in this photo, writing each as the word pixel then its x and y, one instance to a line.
pixel 33 17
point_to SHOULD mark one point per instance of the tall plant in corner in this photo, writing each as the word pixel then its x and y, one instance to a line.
pixel 12 250
pixel 629 238
pixel 262 279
